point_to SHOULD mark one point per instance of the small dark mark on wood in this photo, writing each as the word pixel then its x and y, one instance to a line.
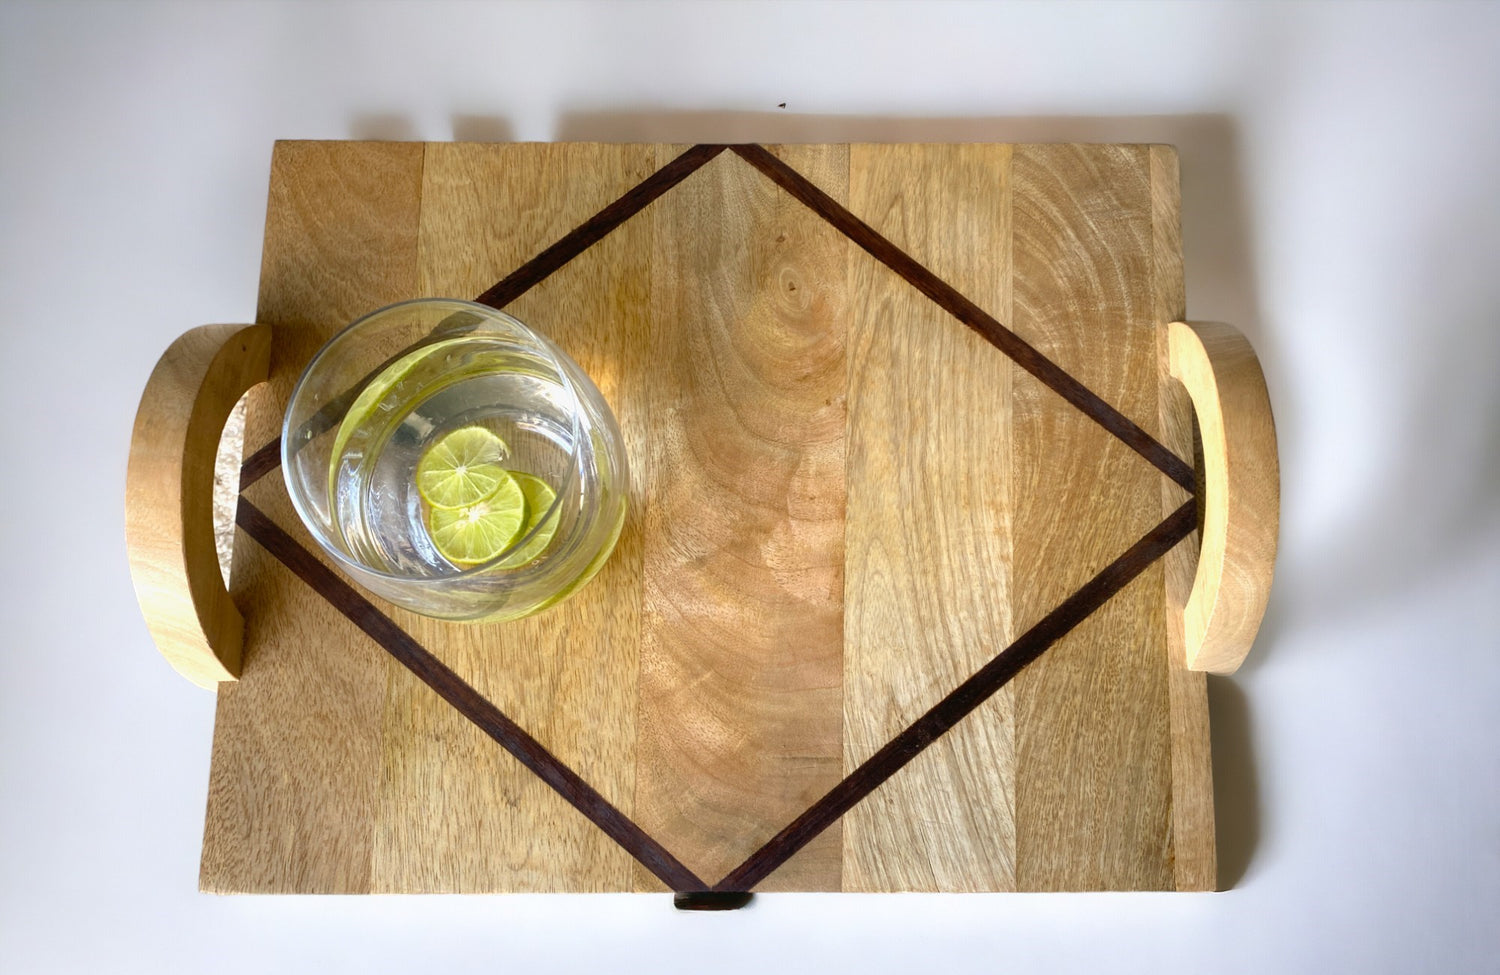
pixel 515 284
pixel 712 900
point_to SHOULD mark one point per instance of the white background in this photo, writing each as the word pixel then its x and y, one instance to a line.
pixel 1341 204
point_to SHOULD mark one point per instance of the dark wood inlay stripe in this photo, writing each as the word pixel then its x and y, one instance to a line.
pixel 518 282
pixel 905 746
pixel 962 700
pixel 262 462
pixel 469 702
pixel 950 300
pixel 576 241
pixel 856 786
pixel 594 229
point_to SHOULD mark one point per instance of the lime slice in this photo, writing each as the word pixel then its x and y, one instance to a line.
pixel 539 498
pixel 462 469
pixel 477 533
pixel 369 399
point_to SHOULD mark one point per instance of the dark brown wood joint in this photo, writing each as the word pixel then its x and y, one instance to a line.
pixel 712 900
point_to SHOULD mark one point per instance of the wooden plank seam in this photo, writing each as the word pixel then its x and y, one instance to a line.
pixel 952 709
pixel 948 298
pixel 891 758
pixel 597 227
pixel 469 702
pixel 517 283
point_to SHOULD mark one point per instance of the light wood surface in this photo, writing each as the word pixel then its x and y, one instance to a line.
pixel 1194 857
pixel 1241 492
pixel 1092 779
pixel 742 640
pixel 843 503
pixel 293 788
pixel 929 514
pixel 169 522
pixel 456 812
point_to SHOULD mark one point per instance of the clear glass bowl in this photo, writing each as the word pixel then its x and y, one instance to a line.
pixel 381 392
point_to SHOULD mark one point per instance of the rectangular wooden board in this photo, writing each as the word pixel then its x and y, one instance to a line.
pixel 844 503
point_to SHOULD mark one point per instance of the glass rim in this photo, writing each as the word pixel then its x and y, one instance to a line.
pixel 314 524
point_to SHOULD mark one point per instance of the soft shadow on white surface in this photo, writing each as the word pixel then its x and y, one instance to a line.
pixel 481 128
pixel 391 127
pixel 383 127
pixel 1236 781
pixel 1216 234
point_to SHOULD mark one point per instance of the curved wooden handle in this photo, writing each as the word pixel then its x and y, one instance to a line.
pixel 1241 495
pixel 169 528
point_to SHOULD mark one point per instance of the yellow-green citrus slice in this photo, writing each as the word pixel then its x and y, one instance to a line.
pixel 462 469
pixel 370 397
pixel 477 533
pixel 539 498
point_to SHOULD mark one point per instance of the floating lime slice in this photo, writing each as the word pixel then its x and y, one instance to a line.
pixel 479 532
pixel 539 498
pixel 462 469
pixel 369 398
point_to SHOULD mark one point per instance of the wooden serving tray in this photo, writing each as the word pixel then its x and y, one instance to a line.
pixel 899 601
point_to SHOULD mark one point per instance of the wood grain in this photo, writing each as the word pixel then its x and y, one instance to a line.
pixel 296 759
pixel 1194 856
pixel 1241 491
pixel 458 814
pixel 477 709
pixel 928 515
pixel 962 308
pixel 962 701
pixel 169 496
pixel 742 644
pixel 1093 776
pixel 844 501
